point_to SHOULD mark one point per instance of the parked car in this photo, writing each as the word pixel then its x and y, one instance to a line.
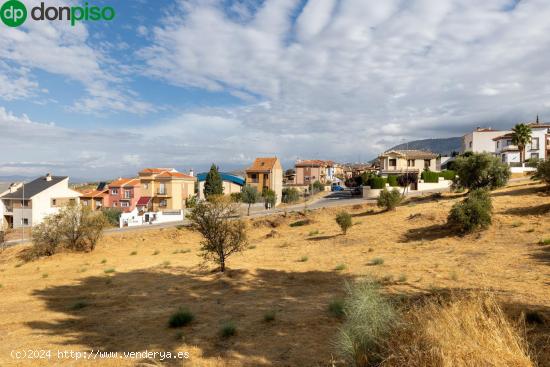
pixel 336 188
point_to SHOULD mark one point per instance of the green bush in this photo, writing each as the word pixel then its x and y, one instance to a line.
pixel 430 177
pixel 472 213
pixel 377 182
pixel 389 199
pixel 543 172
pixel 228 329
pixel 181 318
pixel 112 215
pixel 369 321
pixel 392 180
pixel 336 307
pixel 448 175
pixel 236 197
pixel 290 195
pixel 317 186
pixel 344 221
pixel 480 171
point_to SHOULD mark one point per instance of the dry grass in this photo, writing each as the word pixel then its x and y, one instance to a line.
pixel 128 310
pixel 465 331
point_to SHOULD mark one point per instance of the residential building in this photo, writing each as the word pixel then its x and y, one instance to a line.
pixel 506 151
pixel 481 140
pixel 27 204
pixel 124 194
pixel 231 183
pixel 403 161
pixel 311 170
pixel 289 177
pixel 96 199
pixel 164 189
pixel 266 173
pixel 351 170
pixel 537 148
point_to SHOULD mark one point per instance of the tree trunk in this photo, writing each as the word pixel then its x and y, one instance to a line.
pixel 248 213
pixel 222 264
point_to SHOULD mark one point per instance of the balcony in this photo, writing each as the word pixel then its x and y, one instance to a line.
pixel 162 193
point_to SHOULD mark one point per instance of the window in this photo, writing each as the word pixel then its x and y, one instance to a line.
pixel 25 221
pixel 427 163
pixel 498 144
pixel 163 203
pixel 54 202
pixel 85 202
pixel 145 186
pixel 115 204
pixel 393 162
pixel 410 162
pixel 535 143
pixel 114 191
pixel 124 204
pixel 534 156
pixel 470 145
pixel 162 188
pixel 127 194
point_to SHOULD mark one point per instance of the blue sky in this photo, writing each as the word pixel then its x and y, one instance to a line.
pixel 185 83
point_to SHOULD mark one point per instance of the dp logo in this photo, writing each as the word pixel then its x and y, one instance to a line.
pixel 13 13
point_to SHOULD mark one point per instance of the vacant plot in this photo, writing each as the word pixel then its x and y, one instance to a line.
pixel 272 306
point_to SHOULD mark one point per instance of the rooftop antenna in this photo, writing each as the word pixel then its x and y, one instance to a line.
pixel 537 119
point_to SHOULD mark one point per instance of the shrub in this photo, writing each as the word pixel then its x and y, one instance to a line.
pixel 269 316
pixel 369 321
pixel 181 318
pixel 236 197
pixel 448 175
pixel 270 198
pixel 344 221
pixel 290 195
pixel 377 182
pixel 223 236
pixel 317 186
pixel 191 201
pixel 303 259
pixel 228 329
pixel 340 267
pixel 480 170
pixel 336 307
pixel 79 305
pixel 392 180
pixel 472 213
pixel 430 176
pixel 109 271
pixel 249 195
pixel 377 261
pixel 112 215
pixel 299 223
pixel 389 199
pixel 543 172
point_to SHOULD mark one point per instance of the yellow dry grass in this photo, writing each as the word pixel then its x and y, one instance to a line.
pixel 156 271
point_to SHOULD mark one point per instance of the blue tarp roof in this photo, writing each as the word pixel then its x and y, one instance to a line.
pixel 225 177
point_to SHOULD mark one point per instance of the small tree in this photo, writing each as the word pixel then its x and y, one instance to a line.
pixel 80 227
pixel 4 231
pixel 406 180
pixel 543 172
pixel 290 195
pixel 344 221
pixel 249 195
pixel 270 198
pixel 213 184
pixel 480 171
pixel 223 236
pixel 112 215
pixel 317 186
pixel 472 213
pixel 389 199
pixel 46 237
pixel 521 136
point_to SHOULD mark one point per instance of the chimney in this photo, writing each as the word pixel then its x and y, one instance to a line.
pixel 48 177
pixel 13 187
pixel 191 173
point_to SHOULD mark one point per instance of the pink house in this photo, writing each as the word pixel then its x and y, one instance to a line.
pixel 124 193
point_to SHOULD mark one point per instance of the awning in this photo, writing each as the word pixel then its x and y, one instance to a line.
pixel 144 201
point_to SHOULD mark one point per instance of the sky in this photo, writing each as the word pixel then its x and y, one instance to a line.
pixel 188 83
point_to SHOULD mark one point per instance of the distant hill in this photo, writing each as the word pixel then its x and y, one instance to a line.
pixel 443 146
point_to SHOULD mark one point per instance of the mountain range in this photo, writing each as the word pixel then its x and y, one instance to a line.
pixel 443 146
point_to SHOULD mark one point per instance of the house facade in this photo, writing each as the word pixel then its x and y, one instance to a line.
pixel 407 161
pixel 266 173
pixel 95 199
pixel 27 204
pixel 537 148
pixel 231 183
pixel 481 140
pixel 164 189
pixel 124 194
pixel 309 171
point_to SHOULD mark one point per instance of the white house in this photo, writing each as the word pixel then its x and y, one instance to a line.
pixel 28 204
pixel 481 140
pixel 506 151
pixel 539 148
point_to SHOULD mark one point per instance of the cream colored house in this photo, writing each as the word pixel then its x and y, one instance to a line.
pixel 27 204
pixel 403 161
pixel 232 184
pixel 481 140
pixel 266 173
pixel 164 189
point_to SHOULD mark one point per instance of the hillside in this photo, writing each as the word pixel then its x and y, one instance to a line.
pixel 120 296
pixel 443 146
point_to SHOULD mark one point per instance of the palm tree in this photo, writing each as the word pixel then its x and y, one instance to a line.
pixel 521 136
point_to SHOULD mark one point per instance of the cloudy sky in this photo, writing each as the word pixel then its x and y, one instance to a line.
pixel 188 82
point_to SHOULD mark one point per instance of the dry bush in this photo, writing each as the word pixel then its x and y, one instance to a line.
pixel 462 332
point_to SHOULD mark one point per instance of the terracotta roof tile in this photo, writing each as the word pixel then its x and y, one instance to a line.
pixel 167 174
pixel 411 154
pixel 124 182
pixel 263 164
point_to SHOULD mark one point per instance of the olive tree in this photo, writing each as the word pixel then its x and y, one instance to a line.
pixel 543 172
pixel 480 171
pixel 223 232
pixel 249 195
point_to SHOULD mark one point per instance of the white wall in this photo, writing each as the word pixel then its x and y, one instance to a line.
pixel 539 133
pixel 42 202
pixel 483 141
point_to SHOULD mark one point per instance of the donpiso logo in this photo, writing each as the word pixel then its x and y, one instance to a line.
pixel 14 13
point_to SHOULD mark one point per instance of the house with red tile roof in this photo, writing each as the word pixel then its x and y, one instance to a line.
pixel 95 199
pixel 164 189
pixel 124 193
pixel 266 173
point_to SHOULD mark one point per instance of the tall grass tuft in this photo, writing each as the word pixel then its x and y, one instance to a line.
pixel 369 319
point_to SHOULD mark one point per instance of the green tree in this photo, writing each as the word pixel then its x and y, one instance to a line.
pixel 521 136
pixel 389 199
pixel 213 184
pixel 344 221
pixel 223 236
pixel 480 171
pixel 249 195
pixel 543 172
pixel 270 198
pixel 290 195
pixel 472 213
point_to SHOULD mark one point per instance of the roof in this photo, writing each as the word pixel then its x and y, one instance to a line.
pixel 144 200
pixel 313 162
pixel 93 193
pixel 34 187
pixel 169 174
pixel 124 182
pixel 263 164
pixel 225 177
pixel 543 125
pixel 484 130
pixel 505 136
pixel 411 154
